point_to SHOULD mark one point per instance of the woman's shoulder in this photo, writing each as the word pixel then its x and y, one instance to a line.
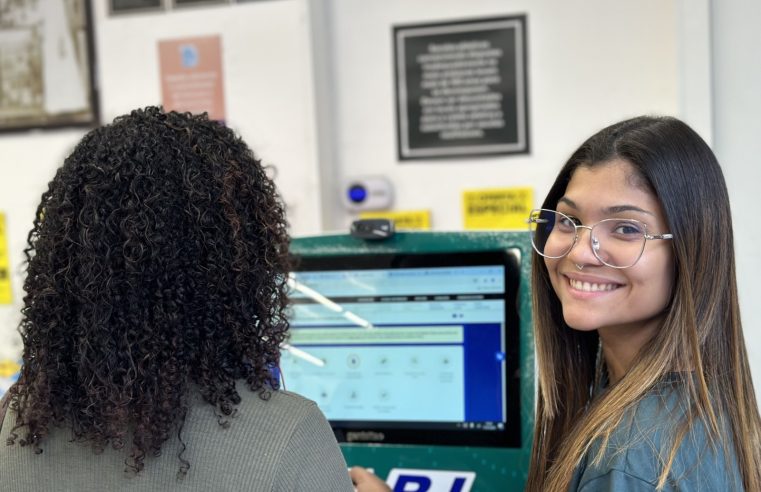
pixel 276 400
pixel 642 443
pixel 264 411
pixel 252 449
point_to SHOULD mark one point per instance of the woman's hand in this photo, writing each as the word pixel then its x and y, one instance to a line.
pixel 364 481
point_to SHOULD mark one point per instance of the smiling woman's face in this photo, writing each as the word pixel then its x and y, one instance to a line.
pixel 599 296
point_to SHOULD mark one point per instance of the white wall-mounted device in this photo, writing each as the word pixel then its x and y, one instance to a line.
pixel 367 193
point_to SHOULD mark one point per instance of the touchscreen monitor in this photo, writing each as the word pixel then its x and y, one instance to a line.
pixel 409 348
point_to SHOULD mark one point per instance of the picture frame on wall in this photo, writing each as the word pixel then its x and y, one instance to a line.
pixel 197 3
pixel 462 88
pixel 119 7
pixel 46 65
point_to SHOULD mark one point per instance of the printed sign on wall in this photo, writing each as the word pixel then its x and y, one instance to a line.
pixel 497 208
pixel 5 269
pixel 461 88
pixel 191 76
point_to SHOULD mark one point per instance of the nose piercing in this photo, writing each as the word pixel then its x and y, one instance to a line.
pixel 579 267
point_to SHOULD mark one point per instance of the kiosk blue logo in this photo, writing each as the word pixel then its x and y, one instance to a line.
pixel 408 480
pixel 189 55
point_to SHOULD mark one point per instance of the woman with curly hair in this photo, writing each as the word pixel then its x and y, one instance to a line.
pixel 153 316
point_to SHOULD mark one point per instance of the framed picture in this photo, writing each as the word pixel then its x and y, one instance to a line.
pixel 461 88
pixel 118 7
pixel 196 3
pixel 46 76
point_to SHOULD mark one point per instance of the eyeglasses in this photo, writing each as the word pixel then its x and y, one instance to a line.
pixel 618 243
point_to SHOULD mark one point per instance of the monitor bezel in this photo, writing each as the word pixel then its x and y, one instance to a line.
pixel 432 433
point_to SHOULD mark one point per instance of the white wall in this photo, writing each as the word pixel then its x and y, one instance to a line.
pixel 268 82
pixel 268 86
pixel 737 135
pixel 591 62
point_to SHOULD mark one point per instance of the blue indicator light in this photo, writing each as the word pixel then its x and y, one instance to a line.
pixel 357 193
pixel 500 356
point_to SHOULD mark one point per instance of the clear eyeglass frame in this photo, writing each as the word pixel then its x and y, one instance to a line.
pixel 595 246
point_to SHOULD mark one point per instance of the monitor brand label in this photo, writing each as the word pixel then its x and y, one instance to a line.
pixel 365 436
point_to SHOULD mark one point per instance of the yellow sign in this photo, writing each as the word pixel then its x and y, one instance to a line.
pixel 419 220
pixel 5 269
pixel 8 368
pixel 497 208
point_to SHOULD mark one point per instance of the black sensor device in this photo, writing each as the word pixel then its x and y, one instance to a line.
pixel 372 229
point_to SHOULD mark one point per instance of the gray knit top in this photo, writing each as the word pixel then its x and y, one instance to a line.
pixel 282 444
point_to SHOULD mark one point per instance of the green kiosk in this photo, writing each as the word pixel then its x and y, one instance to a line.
pixel 419 350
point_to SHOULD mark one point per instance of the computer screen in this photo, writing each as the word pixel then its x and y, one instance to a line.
pixel 409 348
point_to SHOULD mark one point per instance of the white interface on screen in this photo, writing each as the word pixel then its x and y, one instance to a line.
pixel 411 344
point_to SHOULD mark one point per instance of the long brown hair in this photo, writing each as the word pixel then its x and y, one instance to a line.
pixel 701 331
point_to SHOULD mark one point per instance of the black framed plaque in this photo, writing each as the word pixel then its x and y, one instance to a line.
pixel 461 88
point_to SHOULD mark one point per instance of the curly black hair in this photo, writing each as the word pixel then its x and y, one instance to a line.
pixel 157 264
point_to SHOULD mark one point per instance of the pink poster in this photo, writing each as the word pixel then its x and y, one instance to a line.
pixel 191 75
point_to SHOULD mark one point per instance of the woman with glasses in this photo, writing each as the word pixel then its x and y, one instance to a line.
pixel 643 374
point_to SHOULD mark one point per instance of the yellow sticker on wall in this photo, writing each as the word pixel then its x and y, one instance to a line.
pixel 5 269
pixel 8 368
pixel 418 220
pixel 497 208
